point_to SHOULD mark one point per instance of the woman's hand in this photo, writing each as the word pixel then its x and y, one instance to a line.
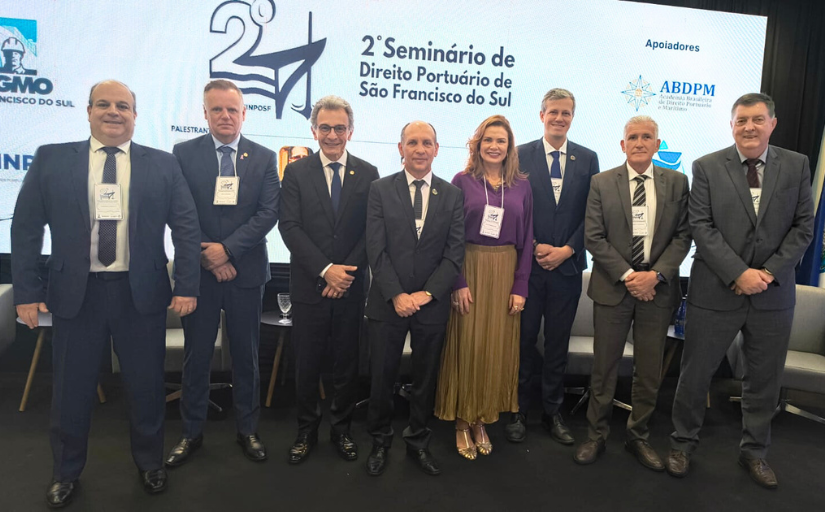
pixel 461 299
pixel 516 304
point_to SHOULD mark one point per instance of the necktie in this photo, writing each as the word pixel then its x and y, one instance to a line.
pixel 418 202
pixel 753 175
pixel 335 188
pixel 555 168
pixel 227 167
pixel 639 199
pixel 107 229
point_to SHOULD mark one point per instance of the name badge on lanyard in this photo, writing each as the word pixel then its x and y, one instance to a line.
pixel 107 202
pixel 226 190
pixel 493 216
pixel 639 220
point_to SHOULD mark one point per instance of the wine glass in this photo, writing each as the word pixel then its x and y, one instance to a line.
pixel 285 304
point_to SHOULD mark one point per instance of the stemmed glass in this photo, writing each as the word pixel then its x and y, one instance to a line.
pixel 285 304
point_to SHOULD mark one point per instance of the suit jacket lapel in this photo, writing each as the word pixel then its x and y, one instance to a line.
pixel 210 160
pixel 319 181
pixel 540 166
pixel 770 177
pixel 403 191
pixel 661 195
pixel 242 158
pixel 351 177
pixel 624 194
pixel 432 206
pixel 740 183
pixel 80 180
pixel 570 169
pixel 137 186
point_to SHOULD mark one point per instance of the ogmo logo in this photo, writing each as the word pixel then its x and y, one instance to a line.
pixel 244 60
pixel 18 58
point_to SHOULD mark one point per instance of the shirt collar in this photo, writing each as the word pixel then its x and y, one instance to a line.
pixel 233 144
pixel 427 179
pixel 548 148
pixel 95 145
pixel 631 172
pixel 763 156
pixel 326 161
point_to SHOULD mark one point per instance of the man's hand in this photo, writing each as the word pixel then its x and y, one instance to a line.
pixel 751 282
pixel 461 300
pixel 213 255
pixel 516 304
pixel 183 305
pixel 550 257
pixel 28 313
pixel 405 305
pixel 225 272
pixel 421 298
pixel 641 285
pixel 338 280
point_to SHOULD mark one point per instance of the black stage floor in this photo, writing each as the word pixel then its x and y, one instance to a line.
pixel 538 474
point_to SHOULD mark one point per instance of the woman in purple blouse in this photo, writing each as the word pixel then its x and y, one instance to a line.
pixel 479 364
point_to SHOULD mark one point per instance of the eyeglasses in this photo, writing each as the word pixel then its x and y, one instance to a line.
pixel 340 129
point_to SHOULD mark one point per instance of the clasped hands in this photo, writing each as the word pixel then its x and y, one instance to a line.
pixel 408 304
pixel 215 260
pixel 550 257
pixel 751 282
pixel 641 285
pixel 462 298
pixel 338 281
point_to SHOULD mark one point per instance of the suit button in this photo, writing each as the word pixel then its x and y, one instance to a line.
pixel 335 237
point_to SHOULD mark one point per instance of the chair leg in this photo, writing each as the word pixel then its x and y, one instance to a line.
pixel 321 390
pixel 786 406
pixel 275 364
pixel 35 358
pixel 100 395
pixel 581 401
pixel 175 395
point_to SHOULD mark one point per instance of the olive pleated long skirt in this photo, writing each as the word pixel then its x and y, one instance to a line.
pixel 479 363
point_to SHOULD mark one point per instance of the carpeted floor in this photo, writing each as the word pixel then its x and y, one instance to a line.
pixel 538 474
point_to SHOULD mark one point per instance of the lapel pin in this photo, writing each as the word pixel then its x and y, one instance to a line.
pixel 351 172
pixel 572 157
pixel 435 192
pixel 244 156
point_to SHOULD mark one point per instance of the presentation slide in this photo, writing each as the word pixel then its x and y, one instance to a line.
pixel 449 63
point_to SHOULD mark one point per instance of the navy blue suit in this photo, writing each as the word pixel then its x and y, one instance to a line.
pixel 89 310
pixel 554 294
pixel 242 229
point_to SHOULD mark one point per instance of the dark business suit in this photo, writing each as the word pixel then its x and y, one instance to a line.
pixel 317 236
pixel 553 295
pixel 88 310
pixel 242 229
pixel 608 235
pixel 402 263
pixel 730 238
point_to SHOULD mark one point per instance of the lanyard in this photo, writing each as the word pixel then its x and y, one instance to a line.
pixel 487 197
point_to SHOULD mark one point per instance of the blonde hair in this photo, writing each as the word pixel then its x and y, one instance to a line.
pixel 510 170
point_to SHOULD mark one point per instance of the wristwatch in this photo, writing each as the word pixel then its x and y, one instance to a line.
pixel 428 293
pixel 660 277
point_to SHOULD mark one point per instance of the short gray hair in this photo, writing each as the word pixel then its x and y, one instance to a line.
pixel 643 119
pixel 751 99
pixel 95 86
pixel 557 94
pixel 331 102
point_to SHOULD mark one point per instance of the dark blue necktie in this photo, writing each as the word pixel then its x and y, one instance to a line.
pixel 555 168
pixel 335 187
pixel 107 229
pixel 227 167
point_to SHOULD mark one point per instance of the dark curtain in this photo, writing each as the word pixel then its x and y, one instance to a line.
pixel 793 72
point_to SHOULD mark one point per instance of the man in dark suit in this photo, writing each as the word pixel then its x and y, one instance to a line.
pixel 751 215
pixel 637 231
pixel 107 202
pixel 234 182
pixel 559 173
pixel 323 222
pixel 415 245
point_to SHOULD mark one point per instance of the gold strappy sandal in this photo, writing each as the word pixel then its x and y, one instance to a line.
pixel 469 452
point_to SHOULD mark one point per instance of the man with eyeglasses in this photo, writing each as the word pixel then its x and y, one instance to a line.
pixel 323 221
pixel 751 215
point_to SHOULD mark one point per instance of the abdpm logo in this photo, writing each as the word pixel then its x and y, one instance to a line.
pixel 244 60
pixel 638 92
pixel 18 56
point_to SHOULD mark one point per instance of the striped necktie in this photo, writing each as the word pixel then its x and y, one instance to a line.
pixel 639 199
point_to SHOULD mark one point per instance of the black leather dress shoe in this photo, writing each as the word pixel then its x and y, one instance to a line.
pixel 558 430
pixel 60 494
pixel 347 448
pixel 253 447
pixel 299 451
pixel 589 451
pixel 154 481
pixel 180 452
pixel 645 454
pixel 677 463
pixel 759 472
pixel 425 461
pixel 516 430
pixel 377 461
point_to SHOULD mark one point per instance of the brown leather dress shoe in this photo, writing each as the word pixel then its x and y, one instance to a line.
pixel 759 471
pixel 645 454
pixel 678 463
pixel 589 451
pixel 60 494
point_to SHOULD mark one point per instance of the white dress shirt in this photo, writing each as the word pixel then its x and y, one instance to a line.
pixel 425 198
pixel 557 183
pixel 650 201
pixel 97 159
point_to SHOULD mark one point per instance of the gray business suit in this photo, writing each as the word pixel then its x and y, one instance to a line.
pixel 608 235
pixel 730 238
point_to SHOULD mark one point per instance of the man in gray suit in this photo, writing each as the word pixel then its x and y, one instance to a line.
pixel 637 231
pixel 751 215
